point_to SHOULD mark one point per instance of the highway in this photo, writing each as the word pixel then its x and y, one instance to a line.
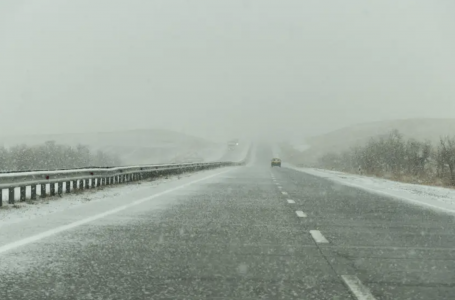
pixel 252 232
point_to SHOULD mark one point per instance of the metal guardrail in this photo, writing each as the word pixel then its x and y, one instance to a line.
pixel 66 181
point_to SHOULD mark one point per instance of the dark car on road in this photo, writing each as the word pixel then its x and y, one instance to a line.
pixel 276 162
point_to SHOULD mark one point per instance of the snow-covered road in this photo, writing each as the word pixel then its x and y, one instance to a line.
pixel 251 232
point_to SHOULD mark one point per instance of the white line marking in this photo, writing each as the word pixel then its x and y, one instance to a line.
pixel 394 248
pixel 280 187
pixel 360 291
pixel 301 214
pixel 318 237
pixel 284 193
pixel 59 229
pixel 291 201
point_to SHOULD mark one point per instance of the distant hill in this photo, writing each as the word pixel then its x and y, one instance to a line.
pixel 133 146
pixel 342 139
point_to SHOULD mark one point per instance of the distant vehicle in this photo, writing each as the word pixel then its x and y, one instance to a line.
pixel 276 162
pixel 232 144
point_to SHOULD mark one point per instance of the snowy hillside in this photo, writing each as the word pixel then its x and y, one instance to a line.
pixel 134 146
pixel 357 135
pixel 420 129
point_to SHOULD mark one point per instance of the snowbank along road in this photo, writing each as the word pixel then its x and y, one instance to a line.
pixel 235 233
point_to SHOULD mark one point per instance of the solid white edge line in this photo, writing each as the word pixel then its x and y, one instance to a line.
pixel 356 287
pixel 301 214
pixel 291 201
pixel 59 229
pixel 318 237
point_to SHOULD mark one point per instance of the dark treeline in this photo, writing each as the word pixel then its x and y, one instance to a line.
pixel 394 156
pixel 51 156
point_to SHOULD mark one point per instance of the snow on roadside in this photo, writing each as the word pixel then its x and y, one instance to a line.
pixel 21 211
pixel 442 199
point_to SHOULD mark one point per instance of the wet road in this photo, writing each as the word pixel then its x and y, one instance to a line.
pixel 249 233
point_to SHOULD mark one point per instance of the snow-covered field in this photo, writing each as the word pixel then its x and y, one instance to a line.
pixel 441 199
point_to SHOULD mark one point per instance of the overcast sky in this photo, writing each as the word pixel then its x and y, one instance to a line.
pixel 218 68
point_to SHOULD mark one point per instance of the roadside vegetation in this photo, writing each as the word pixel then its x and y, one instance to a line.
pixel 395 157
pixel 51 156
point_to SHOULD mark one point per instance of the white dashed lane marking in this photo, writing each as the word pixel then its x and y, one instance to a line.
pixel 291 201
pixel 357 288
pixel 284 193
pixel 318 237
pixel 301 214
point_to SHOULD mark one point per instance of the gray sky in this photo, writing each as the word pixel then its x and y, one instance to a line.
pixel 218 68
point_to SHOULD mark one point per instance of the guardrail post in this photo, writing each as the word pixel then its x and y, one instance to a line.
pixel 100 181
pixel 52 188
pixel 43 190
pixel 33 192
pixel 68 187
pixel 60 188
pixel 11 196
pixel 22 193
pixel 1 197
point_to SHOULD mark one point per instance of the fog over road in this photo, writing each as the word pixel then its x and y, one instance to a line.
pixel 250 232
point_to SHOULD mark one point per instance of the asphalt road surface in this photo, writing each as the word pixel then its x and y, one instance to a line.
pixel 249 233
